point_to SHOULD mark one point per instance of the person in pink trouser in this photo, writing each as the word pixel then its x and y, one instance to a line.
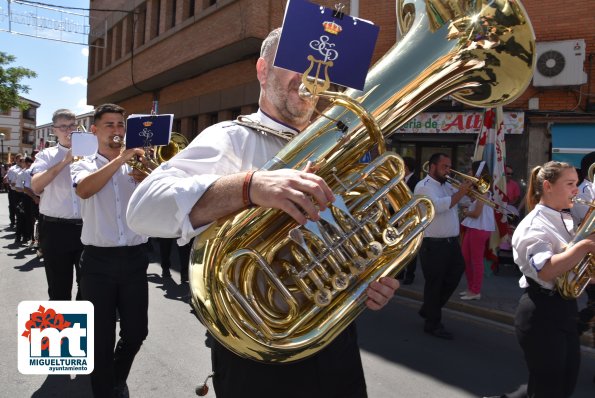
pixel 480 223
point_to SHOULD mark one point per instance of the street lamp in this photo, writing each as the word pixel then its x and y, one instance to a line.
pixel 2 145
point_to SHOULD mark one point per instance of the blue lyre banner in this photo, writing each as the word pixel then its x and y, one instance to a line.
pixel 317 37
pixel 148 130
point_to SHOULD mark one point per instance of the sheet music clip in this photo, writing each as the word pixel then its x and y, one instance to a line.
pixel 338 13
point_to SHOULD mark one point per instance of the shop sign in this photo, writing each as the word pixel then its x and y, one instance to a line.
pixel 459 123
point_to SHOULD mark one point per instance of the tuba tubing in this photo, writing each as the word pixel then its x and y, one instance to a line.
pixel 572 283
pixel 273 291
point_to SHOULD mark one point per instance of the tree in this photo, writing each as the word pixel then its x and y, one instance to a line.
pixel 9 83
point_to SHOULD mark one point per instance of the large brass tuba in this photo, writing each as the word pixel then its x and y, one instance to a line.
pixel 573 282
pixel 274 291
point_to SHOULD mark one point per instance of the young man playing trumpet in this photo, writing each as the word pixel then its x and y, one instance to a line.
pixel 114 263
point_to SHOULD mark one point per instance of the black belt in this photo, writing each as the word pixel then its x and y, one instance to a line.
pixel 75 221
pixel 536 287
pixel 116 250
pixel 451 239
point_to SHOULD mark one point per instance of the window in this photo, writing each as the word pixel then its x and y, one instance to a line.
pixel 30 113
pixel 155 16
pixel 176 125
pixel 28 137
pixel 212 118
pixel 171 18
pixel 140 26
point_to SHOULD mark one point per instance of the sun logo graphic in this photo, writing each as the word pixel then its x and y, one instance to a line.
pixel 55 337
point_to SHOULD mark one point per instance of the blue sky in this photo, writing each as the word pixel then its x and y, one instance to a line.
pixel 61 67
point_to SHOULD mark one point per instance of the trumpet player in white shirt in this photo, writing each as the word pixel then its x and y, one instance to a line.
pixel 545 322
pixel 114 261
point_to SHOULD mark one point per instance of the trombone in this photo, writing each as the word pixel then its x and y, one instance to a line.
pixel 480 186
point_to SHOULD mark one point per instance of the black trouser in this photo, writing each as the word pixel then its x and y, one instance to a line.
pixel 28 217
pixel 115 279
pixel 443 265
pixel 61 246
pixel 12 206
pixel 334 372
pixel 165 245
pixel 19 213
pixel 546 328
pixel 409 272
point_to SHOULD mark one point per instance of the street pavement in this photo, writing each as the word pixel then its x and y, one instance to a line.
pixel 399 360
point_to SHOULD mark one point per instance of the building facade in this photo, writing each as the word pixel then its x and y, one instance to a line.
pixel 197 58
pixel 18 130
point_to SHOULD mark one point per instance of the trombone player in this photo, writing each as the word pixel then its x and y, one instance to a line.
pixel 440 255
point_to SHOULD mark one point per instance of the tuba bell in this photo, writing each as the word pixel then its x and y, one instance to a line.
pixel 274 291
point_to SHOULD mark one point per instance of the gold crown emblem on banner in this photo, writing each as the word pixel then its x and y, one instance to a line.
pixel 332 27
pixel 147 123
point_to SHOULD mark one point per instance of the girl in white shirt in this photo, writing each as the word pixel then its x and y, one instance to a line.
pixel 480 223
pixel 545 322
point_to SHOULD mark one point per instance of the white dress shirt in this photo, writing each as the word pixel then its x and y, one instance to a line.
pixel 446 219
pixel 541 234
pixel 104 214
pixel 162 203
pixel 25 177
pixel 586 191
pixel 12 173
pixel 20 178
pixel 58 198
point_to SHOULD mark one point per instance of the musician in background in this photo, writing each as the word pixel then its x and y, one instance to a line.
pixel 545 322
pixel 9 181
pixel 114 260
pixel 586 190
pixel 217 175
pixel 13 196
pixel 440 255
pixel 59 207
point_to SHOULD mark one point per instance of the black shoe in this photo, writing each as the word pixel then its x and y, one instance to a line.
pixel 407 281
pixel 121 391
pixel 441 333
pixel 422 313
pixel 165 273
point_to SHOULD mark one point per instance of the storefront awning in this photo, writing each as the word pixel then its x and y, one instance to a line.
pixel 570 142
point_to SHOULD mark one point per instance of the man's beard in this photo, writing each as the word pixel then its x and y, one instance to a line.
pixel 295 113
pixel 441 179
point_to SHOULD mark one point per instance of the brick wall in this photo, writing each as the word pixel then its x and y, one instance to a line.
pixel 231 21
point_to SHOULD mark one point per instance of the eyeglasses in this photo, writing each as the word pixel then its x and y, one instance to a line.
pixel 69 127
pixel 509 174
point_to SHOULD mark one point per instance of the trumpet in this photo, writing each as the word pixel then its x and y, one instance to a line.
pixel 479 188
pixel 155 155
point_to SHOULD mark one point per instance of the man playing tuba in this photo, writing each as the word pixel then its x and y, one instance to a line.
pixel 216 176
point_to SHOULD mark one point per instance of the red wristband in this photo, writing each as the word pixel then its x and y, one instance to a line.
pixel 246 188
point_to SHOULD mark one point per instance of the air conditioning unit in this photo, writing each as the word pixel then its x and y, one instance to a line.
pixel 560 63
